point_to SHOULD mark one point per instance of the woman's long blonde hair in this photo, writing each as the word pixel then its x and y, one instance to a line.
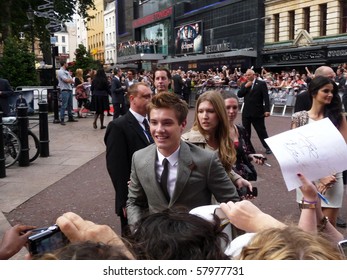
pixel 289 243
pixel 226 150
pixel 79 74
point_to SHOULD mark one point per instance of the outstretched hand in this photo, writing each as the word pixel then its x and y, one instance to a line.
pixel 248 217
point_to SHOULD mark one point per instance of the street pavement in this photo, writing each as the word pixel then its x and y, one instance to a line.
pixel 74 178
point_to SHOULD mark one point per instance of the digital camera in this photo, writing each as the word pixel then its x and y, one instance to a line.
pixel 47 240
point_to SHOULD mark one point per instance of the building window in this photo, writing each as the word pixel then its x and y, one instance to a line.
pixel 63 49
pixel 343 18
pixel 121 21
pixel 307 19
pixel 291 17
pixel 277 27
pixel 323 19
pixel 56 39
pixel 63 39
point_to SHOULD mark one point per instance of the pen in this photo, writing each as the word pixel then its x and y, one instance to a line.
pixel 323 198
pixel 263 159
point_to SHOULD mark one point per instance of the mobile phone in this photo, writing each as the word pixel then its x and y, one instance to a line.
pixel 343 247
pixel 47 240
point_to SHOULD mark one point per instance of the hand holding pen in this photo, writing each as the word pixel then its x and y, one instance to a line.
pixel 260 159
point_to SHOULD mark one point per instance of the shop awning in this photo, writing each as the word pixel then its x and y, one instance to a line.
pixel 297 63
pixel 139 57
pixel 247 53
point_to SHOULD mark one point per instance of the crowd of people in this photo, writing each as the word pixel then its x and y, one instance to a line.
pixel 161 174
pixel 175 234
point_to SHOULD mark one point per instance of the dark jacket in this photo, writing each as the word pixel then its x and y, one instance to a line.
pixel 123 137
pixel 117 92
pixel 256 99
pixel 6 91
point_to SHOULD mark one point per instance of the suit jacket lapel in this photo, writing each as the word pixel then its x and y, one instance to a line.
pixel 185 167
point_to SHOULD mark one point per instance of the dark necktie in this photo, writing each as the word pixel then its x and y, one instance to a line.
pixel 148 133
pixel 163 179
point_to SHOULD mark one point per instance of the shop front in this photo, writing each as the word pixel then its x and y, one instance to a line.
pixel 152 36
pixel 202 62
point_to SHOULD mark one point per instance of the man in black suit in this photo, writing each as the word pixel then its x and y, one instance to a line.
pixel 5 91
pixel 123 137
pixel 117 94
pixel 178 83
pixel 256 106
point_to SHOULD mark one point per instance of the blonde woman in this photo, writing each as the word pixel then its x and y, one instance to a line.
pixel 211 131
pixel 80 92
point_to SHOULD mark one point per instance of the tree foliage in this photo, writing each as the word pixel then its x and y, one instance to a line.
pixel 84 60
pixel 13 17
pixel 18 63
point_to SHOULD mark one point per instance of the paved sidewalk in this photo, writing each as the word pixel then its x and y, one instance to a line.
pixel 70 147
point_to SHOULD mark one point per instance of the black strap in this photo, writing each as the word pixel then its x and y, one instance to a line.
pixel 147 131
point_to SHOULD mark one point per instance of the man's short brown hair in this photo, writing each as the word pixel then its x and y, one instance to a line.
pixel 170 101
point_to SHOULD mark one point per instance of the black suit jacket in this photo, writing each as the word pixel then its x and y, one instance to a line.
pixel 117 92
pixel 177 84
pixel 6 91
pixel 123 137
pixel 256 99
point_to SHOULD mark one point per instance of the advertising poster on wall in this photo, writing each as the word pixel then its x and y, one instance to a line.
pixel 189 38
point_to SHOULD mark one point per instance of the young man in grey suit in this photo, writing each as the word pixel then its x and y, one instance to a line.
pixel 192 175
pixel 123 137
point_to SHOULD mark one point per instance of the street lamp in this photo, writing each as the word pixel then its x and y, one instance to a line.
pixel 30 15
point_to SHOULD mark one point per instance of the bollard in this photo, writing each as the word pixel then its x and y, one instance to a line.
pixel 55 106
pixel 23 123
pixel 44 139
pixel 2 153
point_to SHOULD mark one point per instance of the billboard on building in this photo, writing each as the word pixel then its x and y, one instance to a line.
pixel 189 38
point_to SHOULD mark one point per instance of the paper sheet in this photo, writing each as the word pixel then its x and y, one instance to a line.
pixel 316 150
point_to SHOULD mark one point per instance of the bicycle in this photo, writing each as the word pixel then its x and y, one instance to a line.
pixel 12 144
pixel 12 147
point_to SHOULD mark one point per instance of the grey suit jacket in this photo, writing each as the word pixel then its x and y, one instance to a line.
pixel 200 174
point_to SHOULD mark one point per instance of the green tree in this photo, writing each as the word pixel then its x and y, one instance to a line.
pixel 84 60
pixel 13 16
pixel 18 63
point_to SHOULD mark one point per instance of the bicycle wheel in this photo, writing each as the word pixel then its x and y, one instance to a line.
pixel 33 145
pixel 12 147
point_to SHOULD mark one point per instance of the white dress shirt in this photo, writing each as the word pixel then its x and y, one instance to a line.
pixel 173 165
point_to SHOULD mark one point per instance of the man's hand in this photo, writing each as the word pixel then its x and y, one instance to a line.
pixel 267 114
pixel 248 84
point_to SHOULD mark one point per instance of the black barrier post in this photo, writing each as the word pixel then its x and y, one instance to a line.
pixel 43 117
pixel 2 153
pixel 55 106
pixel 23 123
